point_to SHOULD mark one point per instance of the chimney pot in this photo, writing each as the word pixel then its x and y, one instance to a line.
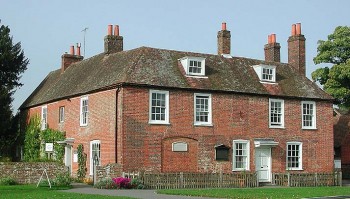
pixel 269 41
pixel 298 29
pixel 273 38
pixel 78 50
pixel 223 26
pixel 110 30
pixel 72 50
pixel 116 30
pixel 293 29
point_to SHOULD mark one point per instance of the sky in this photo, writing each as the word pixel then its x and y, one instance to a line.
pixel 46 29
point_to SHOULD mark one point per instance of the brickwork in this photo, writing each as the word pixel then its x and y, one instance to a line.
pixel 272 52
pixel 30 172
pixel 224 42
pixel 234 117
pixel 296 53
pixel 101 123
pixel 147 147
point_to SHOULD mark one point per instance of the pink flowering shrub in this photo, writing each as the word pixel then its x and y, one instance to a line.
pixel 122 183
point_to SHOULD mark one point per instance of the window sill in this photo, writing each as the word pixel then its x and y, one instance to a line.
pixel 276 127
pixel 235 170
pixel 197 76
pixel 208 125
pixel 83 125
pixel 294 169
pixel 158 123
pixel 268 82
pixel 312 129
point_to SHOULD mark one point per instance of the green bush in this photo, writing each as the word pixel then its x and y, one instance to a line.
pixel 137 184
pixel 106 183
pixel 62 180
pixel 8 181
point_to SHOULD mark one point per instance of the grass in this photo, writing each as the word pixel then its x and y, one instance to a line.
pixel 30 191
pixel 271 193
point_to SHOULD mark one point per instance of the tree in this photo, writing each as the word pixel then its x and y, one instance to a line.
pixel 12 64
pixel 335 80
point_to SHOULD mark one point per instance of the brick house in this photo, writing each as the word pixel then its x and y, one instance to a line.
pixel 341 141
pixel 162 110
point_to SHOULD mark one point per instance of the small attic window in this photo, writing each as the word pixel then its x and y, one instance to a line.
pixel 266 73
pixel 194 66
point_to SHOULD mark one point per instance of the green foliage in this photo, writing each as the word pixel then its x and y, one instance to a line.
pixel 8 181
pixel 12 64
pixel 137 184
pixel 52 136
pixel 81 162
pixel 336 49
pixel 106 183
pixel 63 180
pixel 32 141
pixel 35 139
pixel 335 80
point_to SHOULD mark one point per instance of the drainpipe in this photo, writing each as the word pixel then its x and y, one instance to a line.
pixel 116 123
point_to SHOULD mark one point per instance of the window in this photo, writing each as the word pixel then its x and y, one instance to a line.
pixel 276 113
pixel 43 117
pixel 84 111
pixel 202 109
pixel 266 73
pixel 308 115
pixel 194 66
pixel 240 155
pixel 95 154
pixel 61 114
pixel 294 156
pixel 159 107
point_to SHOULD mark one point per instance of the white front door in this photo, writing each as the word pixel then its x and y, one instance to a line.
pixel 263 164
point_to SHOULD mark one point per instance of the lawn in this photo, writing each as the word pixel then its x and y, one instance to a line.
pixel 30 191
pixel 271 193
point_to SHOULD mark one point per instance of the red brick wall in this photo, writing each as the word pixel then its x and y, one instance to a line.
pixel 101 123
pixel 234 117
pixel 144 146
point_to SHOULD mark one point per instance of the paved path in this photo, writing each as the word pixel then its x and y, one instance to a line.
pixel 134 193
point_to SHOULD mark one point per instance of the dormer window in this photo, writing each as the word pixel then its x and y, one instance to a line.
pixel 266 73
pixel 194 66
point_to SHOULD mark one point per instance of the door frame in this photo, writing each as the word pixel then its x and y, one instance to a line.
pixel 269 161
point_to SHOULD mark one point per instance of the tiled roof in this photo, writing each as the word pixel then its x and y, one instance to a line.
pixel 161 68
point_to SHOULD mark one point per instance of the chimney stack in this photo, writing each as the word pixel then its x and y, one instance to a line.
pixel 272 49
pixel 296 49
pixel 224 40
pixel 68 59
pixel 113 43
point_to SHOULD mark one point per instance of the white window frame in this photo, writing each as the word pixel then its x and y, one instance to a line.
pixel 300 156
pixel 94 142
pixel 186 61
pixel 205 123
pixel 43 117
pixel 84 116
pixel 259 70
pixel 247 156
pixel 276 125
pixel 61 114
pixel 313 114
pixel 166 120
